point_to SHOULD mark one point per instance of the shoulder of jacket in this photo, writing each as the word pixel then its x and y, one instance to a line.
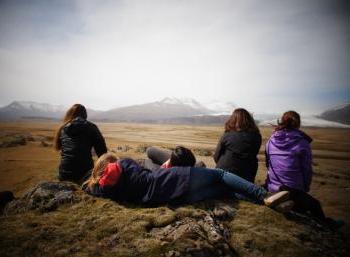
pixel 231 133
pixel 92 126
pixel 126 162
pixel 91 123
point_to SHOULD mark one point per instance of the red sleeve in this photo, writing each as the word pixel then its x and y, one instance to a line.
pixel 166 164
pixel 111 175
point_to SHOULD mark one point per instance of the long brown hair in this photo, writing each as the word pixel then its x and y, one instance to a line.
pixel 241 120
pixel 77 110
pixel 289 120
pixel 99 167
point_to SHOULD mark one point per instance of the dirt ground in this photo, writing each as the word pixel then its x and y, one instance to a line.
pixel 25 165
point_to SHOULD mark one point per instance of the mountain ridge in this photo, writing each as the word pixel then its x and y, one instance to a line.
pixel 340 113
pixel 169 110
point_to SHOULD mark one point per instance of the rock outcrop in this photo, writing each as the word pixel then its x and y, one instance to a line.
pixel 46 196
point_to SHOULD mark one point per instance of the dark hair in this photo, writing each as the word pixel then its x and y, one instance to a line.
pixel 77 110
pixel 289 120
pixel 241 120
pixel 182 156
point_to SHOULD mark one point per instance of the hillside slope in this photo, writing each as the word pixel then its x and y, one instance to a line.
pixel 338 114
pixel 58 219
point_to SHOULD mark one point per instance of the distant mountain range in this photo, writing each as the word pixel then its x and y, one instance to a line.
pixel 168 110
pixel 27 109
pixel 33 110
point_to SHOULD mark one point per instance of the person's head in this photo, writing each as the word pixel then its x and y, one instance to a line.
pixel 77 110
pixel 289 120
pixel 241 120
pixel 182 156
pixel 99 167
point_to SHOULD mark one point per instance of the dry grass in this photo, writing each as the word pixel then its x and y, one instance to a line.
pixel 85 228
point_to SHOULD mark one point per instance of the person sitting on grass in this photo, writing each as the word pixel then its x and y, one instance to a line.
pixel 289 163
pixel 75 139
pixel 239 146
pixel 126 180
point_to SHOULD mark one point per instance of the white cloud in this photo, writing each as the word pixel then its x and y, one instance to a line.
pixel 264 56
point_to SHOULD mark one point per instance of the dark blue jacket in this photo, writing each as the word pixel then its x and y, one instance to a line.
pixel 140 185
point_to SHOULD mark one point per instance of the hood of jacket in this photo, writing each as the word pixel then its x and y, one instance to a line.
pixel 285 139
pixel 76 126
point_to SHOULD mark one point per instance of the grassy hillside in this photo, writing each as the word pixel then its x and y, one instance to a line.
pixel 89 226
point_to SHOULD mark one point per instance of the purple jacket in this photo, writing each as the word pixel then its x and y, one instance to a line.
pixel 289 159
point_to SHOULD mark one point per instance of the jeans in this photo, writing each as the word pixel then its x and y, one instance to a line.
pixel 214 183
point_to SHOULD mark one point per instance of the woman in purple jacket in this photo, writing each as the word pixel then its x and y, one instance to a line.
pixel 289 163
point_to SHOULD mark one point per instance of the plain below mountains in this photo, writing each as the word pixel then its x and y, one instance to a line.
pixel 168 110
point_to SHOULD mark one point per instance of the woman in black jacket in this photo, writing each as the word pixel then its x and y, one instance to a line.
pixel 75 140
pixel 239 146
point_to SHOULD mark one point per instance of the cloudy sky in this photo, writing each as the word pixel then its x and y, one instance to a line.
pixel 267 56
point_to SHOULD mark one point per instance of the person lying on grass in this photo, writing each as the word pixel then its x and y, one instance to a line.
pixel 125 180
pixel 163 158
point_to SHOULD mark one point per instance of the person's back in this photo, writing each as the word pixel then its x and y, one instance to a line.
pixel 288 156
pixel 289 163
pixel 238 147
pixel 238 154
pixel 75 140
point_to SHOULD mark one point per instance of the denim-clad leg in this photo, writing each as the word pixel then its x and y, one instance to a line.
pixel 204 184
pixel 215 191
pixel 203 178
pixel 244 187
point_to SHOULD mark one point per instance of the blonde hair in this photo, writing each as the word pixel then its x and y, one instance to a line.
pixel 99 167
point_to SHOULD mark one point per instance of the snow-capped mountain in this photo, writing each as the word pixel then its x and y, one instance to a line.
pixel 221 108
pixel 170 110
pixel 25 109
pixel 166 108
pixel 30 105
pixel 182 101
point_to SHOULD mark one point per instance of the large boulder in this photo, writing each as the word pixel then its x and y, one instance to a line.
pixel 46 196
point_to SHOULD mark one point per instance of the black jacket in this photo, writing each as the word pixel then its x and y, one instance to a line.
pixel 77 138
pixel 237 151
pixel 140 185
